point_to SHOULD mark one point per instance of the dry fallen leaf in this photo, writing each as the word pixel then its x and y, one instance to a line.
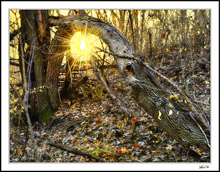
pixel 159 115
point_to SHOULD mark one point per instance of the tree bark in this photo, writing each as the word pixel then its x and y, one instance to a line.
pixel 55 57
pixel 66 90
pixel 36 36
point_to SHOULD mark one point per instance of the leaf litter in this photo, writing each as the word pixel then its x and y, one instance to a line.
pixel 100 127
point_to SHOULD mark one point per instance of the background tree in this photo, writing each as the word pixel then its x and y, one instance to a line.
pixel 34 40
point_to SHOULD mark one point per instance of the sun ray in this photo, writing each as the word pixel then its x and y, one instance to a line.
pixel 82 47
pixel 79 45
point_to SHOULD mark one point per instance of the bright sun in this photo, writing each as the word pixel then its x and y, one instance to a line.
pixel 82 46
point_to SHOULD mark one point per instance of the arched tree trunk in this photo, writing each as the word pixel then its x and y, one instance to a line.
pixel 58 47
pixel 56 54
pixel 179 124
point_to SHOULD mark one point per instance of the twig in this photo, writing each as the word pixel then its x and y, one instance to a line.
pixel 29 123
pixel 207 140
pixel 75 151
pixel 100 77
pixel 197 115
pixel 22 56
pixel 25 102
pixel 26 96
pixel 117 55
pixel 66 125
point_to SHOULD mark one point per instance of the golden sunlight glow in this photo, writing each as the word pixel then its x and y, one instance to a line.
pixel 83 44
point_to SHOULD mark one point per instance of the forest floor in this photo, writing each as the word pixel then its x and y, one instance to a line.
pixel 97 126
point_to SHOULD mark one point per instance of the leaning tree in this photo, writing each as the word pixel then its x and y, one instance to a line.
pixel 187 126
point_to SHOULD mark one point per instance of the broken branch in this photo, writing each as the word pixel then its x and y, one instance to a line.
pixel 75 151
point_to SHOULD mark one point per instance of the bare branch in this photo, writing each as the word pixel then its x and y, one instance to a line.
pixel 75 151
pixel 29 123
pixel 100 77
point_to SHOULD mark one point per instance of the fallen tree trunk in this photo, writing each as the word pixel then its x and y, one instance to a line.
pixel 180 125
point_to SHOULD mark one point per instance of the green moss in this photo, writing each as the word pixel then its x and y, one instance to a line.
pixel 46 115
pixel 97 152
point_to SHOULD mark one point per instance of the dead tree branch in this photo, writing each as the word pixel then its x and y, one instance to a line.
pixel 29 123
pixel 172 84
pixel 100 77
pixel 77 152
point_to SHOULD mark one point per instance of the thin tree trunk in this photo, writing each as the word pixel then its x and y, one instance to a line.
pixel 142 29
pixel 132 30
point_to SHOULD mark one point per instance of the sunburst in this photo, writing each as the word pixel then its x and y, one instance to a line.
pixel 82 46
